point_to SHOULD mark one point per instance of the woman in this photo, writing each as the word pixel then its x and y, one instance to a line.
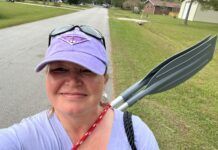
pixel 76 75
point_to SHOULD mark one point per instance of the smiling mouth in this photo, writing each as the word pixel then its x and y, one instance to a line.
pixel 73 95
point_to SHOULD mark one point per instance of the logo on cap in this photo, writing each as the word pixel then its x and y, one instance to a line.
pixel 72 40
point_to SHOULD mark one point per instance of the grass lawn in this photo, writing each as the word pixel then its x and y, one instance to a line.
pixel 62 5
pixel 186 116
pixel 14 13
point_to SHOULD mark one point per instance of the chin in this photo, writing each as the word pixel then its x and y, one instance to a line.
pixel 72 110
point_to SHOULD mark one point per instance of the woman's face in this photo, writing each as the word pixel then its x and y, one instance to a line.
pixel 73 89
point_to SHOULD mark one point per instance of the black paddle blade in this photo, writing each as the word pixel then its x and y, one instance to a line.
pixel 183 67
pixel 161 65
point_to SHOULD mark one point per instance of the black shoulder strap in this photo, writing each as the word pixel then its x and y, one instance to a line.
pixel 127 119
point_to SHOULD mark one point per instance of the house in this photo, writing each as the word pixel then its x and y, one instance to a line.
pixel 196 13
pixel 161 7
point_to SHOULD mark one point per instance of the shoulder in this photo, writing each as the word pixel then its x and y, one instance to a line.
pixel 144 137
pixel 26 133
pixel 31 123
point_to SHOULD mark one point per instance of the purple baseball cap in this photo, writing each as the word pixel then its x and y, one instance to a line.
pixel 77 47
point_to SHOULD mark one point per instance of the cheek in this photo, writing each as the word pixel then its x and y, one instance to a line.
pixel 98 86
pixel 51 86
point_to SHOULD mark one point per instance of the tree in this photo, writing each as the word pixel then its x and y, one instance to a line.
pixel 209 4
pixel 99 1
pixel 206 4
pixel 117 3
pixel 73 2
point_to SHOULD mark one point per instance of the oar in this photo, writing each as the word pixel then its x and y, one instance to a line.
pixel 176 71
pixel 171 72
pixel 141 84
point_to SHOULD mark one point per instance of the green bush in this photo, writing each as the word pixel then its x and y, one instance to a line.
pixel 57 4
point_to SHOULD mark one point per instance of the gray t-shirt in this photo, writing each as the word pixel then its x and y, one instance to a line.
pixel 40 132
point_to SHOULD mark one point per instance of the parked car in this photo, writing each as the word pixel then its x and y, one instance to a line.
pixel 106 5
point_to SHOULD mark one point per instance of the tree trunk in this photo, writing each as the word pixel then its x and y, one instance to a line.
pixel 187 15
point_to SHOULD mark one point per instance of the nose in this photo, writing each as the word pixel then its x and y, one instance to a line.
pixel 73 79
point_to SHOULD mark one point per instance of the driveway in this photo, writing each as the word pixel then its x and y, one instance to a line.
pixel 22 91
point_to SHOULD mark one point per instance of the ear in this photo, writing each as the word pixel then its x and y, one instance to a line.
pixel 106 77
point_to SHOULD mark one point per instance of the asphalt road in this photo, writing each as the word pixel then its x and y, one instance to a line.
pixel 22 91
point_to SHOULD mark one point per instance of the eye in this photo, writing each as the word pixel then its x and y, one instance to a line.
pixel 58 70
pixel 85 72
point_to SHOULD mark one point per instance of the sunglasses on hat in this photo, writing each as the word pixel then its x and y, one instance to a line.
pixel 83 28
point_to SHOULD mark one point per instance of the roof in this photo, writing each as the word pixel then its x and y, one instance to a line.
pixel 164 3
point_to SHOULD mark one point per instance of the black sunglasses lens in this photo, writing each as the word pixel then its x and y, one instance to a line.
pixel 61 30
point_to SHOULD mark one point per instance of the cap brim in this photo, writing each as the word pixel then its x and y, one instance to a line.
pixel 88 61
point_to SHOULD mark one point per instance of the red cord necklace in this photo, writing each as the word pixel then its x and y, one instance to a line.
pixel 91 129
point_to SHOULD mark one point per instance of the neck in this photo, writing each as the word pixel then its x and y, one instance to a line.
pixel 77 125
